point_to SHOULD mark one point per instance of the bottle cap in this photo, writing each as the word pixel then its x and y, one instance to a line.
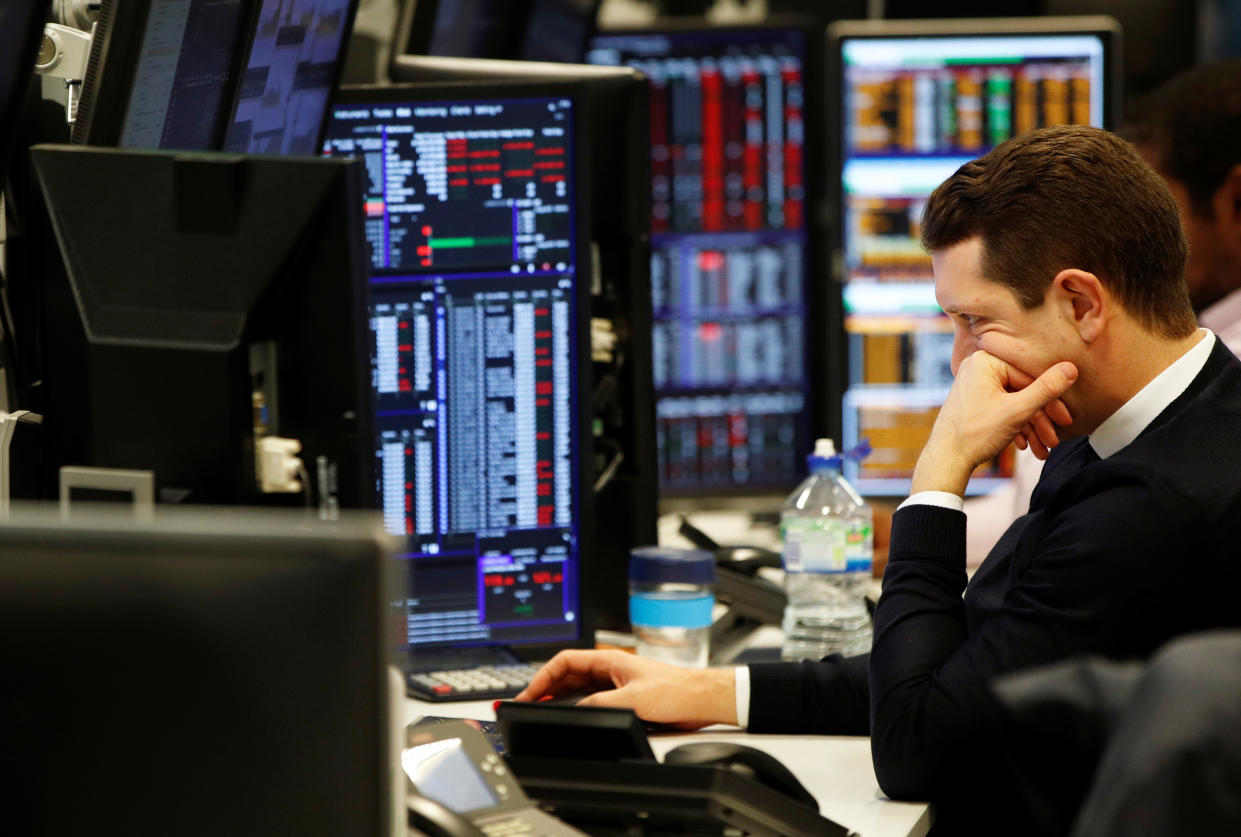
pixel 823 456
pixel 824 448
pixel 671 565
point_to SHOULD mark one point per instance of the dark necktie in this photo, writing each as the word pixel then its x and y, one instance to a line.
pixel 1061 468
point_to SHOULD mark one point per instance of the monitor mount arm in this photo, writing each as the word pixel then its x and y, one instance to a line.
pixel 63 54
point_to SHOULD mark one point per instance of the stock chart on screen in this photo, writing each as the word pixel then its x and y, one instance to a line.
pixel 730 265
pixel 914 108
pixel 470 217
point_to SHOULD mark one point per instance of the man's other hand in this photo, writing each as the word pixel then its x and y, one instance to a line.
pixel 659 693
pixel 990 405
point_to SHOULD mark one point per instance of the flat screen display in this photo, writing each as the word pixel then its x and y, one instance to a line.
pixel 730 266
pixel 914 108
pixel 471 216
pixel 442 770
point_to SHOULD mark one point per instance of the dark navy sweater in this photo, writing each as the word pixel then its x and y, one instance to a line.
pixel 1115 557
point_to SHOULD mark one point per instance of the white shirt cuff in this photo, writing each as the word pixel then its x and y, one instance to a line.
pixel 741 685
pixel 943 499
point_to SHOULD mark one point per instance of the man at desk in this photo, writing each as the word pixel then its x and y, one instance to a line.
pixel 1060 258
pixel 1189 129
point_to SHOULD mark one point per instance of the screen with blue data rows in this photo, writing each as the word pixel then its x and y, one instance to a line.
pixel 470 219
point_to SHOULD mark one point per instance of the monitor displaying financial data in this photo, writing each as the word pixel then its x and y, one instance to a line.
pixel 248 76
pixel 730 262
pixel 291 67
pixel 916 104
pixel 471 215
pixel 183 74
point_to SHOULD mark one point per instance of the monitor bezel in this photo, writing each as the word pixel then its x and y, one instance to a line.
pixel 1106 28
pixel 825 366
pixel 160 552
pixel 415 27
pixel 481 89
pixel 109 78
pixel 57 233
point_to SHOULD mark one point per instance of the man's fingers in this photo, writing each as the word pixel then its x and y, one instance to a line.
pixel 1046 388
pixel 1045 429
pixel 1036 445
pixel 612 698
pixel 566 672
pixel 1059 413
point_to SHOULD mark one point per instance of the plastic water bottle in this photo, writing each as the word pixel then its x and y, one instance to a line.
pixel 828 536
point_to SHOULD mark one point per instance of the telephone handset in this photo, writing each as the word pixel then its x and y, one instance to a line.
pixel 751 600
pixel 428 818
pixel 745 559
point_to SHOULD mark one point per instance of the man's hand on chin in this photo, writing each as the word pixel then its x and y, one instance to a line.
pixel 991 404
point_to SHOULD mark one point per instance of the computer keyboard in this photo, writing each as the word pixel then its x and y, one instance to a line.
pixel 485 682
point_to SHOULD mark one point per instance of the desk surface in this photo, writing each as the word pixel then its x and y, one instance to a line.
pixel 836 769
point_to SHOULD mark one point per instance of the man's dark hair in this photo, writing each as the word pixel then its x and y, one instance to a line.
pixel 1192 127
pixel 1070 197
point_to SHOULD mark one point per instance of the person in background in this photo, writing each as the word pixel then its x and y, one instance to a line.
pixel 1189 129
pixel 1060 258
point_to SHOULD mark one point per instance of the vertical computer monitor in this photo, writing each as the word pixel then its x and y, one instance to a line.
pixel 201 75
pixel 615 114
pixel 479 355
pixel 185 306
pixel 161 73
pixel 210 674
pixel 737 291
pixel 292 63
pixel 917 99
pixel 21 29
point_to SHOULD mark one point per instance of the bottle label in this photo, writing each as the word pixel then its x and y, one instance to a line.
pixel 655 611
pixel 859 548
pixel 826 545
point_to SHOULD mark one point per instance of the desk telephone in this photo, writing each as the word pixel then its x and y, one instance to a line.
pixel 749 597
pixel 593 769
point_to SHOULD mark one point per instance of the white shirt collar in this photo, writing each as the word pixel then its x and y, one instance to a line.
pixel 1124 425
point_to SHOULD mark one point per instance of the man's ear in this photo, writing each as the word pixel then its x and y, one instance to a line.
pixel 1083 300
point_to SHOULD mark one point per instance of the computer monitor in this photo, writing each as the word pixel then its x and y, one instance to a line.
pixel 559 30
pixel 161 72
pixel 21 29
pixel 917 100
pixel 210 674
pixel 201 75
pixel 184 307
pixel 533 30
pixel 615 104
pixel 294 59
pixel 475 210
pixel 739 352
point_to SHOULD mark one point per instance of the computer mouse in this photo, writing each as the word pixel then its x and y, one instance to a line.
pixel 750 762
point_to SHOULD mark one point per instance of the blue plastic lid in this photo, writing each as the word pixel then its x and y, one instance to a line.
pixel 671 565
